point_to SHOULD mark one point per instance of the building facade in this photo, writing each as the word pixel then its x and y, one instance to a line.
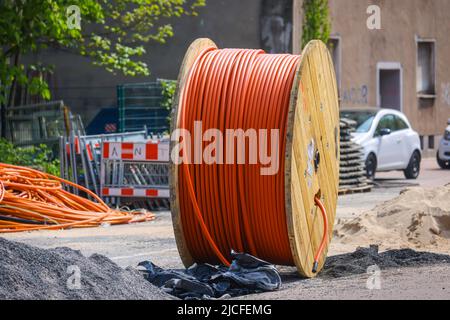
pixel 404 65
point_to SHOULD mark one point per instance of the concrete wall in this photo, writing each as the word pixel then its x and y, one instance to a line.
pixel 85 88
pixel 401 22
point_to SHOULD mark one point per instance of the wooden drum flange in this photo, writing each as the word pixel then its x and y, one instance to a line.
pixel 312 155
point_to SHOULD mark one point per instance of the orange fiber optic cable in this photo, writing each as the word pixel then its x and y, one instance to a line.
pixel 33 200
pixel 233 206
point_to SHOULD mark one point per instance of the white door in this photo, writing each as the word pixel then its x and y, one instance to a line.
pixel 398 154
pixel 388 144
pixel 404 149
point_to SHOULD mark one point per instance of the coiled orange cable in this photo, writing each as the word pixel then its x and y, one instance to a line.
pixel 33 200
pixel 233 206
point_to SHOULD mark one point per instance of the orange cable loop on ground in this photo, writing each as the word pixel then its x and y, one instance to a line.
pixel 233 206
pixel 33 200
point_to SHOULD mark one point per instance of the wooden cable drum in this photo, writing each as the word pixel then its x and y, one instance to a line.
pixel 217 208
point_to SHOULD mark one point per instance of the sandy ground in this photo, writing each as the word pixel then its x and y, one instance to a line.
pixel 129 244
pixel 388 186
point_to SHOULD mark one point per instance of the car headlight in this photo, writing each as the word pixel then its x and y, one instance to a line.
pixel 447 135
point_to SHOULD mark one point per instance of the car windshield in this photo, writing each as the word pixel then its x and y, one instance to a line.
pixel 363 119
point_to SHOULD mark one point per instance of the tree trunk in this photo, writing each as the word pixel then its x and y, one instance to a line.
pixel 3 119
pixel 11 97
pixel 12 89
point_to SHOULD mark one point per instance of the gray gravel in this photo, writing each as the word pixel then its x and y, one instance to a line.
pixel 28 272
pixel 404 274
pixel 357 262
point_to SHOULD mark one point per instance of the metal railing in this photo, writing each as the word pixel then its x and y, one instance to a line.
pixel 41 123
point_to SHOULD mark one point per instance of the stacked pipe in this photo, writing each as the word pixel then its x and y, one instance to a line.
pixel 352 178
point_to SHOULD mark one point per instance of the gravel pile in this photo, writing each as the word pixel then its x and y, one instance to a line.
pixel 27 272
pixel 357 262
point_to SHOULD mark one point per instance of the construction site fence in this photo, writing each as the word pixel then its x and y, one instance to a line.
pixel 124 169
pixel 42 123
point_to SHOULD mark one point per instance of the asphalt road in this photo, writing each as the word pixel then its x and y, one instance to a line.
pixel 127 245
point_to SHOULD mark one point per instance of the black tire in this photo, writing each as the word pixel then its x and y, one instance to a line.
pixel 371 166
pixel 442 163
pixel 413 169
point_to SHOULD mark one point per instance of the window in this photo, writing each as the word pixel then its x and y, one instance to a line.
pixel 400 123
pixel 447 135
pixel 387 122
pixel 430 142
pixel 363 119
pixel 426 68
pixel 392 122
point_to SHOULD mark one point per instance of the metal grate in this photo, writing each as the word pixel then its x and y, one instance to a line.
pixel 140 105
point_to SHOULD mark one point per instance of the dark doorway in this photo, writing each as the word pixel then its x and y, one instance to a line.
pixel 390 89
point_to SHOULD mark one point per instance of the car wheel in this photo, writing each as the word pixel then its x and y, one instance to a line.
pixel 413 169
pixel 442 163
pixel 371 166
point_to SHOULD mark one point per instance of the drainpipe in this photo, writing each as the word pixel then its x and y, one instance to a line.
pixel 297 19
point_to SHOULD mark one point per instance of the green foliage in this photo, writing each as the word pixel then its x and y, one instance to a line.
pixel 112 34
pixel 168 92
pixel 316 23
pixel 39 158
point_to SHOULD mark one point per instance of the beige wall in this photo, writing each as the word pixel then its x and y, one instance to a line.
pixel 401 22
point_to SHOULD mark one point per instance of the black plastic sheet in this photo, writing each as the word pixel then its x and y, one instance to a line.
pixel 246 274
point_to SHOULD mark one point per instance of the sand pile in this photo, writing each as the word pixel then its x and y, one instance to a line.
pixel 27 272
pixel 417 218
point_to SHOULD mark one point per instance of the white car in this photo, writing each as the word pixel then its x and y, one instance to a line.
pixel 388 140
pixel 443 154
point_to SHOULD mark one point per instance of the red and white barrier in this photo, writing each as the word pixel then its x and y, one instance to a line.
pixel 135 192
pixel 149 151
pixel 90 154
